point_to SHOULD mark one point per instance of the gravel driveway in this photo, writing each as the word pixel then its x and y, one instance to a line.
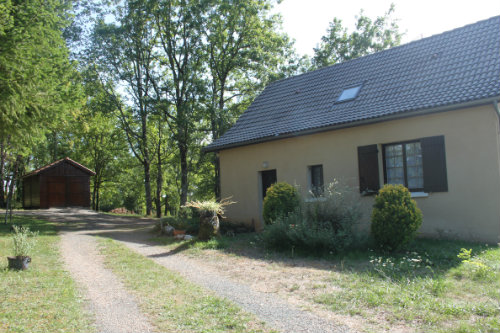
pixel 105 292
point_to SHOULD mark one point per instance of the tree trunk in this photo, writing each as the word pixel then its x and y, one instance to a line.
pixel 97 204
pixel 93 197
pixel 14 177
pixel 159 183
pixel 95 193
pixel 217 133
pixel 159 176
pixel 54 147
pixel 147 186
pixel 11 186
pixel 2 174
pixel 184 173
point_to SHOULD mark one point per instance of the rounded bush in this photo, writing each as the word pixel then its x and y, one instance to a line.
pixel 281 199
pixel 395 217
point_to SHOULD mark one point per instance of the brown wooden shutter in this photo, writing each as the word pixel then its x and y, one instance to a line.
pixel 368 169
pixel 434 164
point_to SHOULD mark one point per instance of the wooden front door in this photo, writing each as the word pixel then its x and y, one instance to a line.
pixel 268 178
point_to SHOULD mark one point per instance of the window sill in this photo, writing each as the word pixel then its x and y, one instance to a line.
pixel 316 199
pixel 419 195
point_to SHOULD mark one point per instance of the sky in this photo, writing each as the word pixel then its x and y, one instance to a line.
pixel 307 20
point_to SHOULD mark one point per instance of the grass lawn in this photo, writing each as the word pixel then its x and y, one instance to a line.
pixel 426 288
pixel 42 298
pixel 172 303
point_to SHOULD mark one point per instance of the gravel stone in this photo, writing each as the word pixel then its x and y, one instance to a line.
pixel 115 310
pixel 114 306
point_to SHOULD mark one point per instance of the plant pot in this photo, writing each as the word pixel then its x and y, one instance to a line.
pixel 19 263
pixel 209 226
pixel 179 232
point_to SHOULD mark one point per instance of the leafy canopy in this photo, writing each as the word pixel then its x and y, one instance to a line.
pixel 370 36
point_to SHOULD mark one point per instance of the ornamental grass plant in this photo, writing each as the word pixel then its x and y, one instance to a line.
pixel 23 241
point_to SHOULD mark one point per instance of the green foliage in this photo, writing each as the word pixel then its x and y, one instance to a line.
pixel 281 199
pixel 23 241
pixel 370 36
pixel 428 281
pixel 395 217
pixel 474 266
pixel 319 226
pixel 38 83
pixel 231 228
pixel 209 212
pixel 209 207
pixel 191 225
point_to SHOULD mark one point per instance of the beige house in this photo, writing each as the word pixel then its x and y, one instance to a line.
pixel 424 114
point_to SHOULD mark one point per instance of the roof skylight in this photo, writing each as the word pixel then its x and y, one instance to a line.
pixel 349 93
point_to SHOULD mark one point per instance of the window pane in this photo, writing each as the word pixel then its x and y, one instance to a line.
pixel 414 170
pixel 349 93
pixel 394 164
pixel 317 179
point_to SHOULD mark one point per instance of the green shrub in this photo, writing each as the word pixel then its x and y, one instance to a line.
pixel 318 226
pixel 281 199
pixel 233 228
pixel 395 217
pixel 191 225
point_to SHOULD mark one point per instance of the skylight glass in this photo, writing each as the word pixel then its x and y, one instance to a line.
pixel 348 94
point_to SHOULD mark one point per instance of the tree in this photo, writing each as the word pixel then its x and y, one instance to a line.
pixel 242 44
pixel 38 83
pixel 99 141
pixel 127 51
pixel 186 70
pixel 370 36
pixel 179 25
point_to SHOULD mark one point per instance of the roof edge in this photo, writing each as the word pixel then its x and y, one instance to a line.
pixel 389 49
pixel 53 164
pixel 395 116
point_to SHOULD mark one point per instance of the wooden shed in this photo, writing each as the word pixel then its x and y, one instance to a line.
pixel 63 183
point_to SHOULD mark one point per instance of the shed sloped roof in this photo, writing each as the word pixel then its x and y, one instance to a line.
pixel 62 160
pixel 452 68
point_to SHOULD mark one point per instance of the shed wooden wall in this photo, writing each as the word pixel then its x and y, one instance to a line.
pixel 31 191
pixel 63 185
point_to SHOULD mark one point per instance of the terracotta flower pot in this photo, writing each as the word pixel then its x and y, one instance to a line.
pixel 179 232
pixel 19 263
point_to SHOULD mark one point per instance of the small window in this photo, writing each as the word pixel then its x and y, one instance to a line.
pixel 403 164
pixel 349 94
pixel 316 180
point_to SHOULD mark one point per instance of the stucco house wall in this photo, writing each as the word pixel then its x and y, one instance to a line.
pixel 470 209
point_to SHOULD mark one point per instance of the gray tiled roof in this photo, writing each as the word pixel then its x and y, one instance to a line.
pixel 455 67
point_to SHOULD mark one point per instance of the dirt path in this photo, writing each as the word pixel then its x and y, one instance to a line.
pixel 114 308
pixel 276 312
pixel 78 242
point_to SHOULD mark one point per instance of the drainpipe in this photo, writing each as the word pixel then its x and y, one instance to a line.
pixel 495 105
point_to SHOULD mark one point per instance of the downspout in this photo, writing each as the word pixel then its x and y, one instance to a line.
pixel 495 106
